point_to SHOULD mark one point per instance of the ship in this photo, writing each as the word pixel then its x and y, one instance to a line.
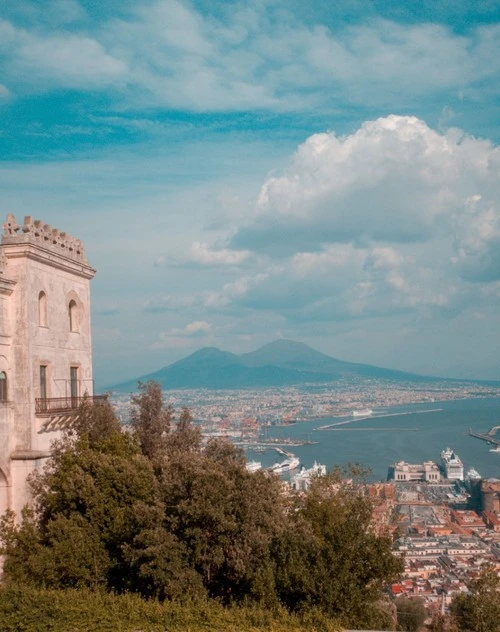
pixel 472 475
pixel 254 466
pixel 302 480
pixel 285 466
pixel 452 465
pixel 366 412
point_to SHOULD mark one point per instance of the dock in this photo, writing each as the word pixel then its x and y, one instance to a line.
pixel 489 437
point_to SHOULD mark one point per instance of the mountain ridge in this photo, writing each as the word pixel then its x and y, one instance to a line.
pixel 279 363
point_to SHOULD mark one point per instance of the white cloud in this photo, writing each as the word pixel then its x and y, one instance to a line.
pixel 183 337
pixel 478 240
pixel 394 180
pixel 165 53
pixel 42 61
pixel 200 254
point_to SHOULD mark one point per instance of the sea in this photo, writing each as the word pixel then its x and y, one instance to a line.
pixel 412 433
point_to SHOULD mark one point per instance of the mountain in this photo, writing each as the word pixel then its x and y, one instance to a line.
pixel 279 363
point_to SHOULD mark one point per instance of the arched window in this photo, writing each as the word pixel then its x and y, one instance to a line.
pixel 3 386
pixel 42 309
pixel 73 316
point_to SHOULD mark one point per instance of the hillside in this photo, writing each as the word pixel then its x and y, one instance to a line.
pixel 279 363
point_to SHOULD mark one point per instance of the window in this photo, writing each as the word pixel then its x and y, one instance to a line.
pixel 73 382
pixel 42 309
pixel 3 386
pixel 72 313
pixel 43 381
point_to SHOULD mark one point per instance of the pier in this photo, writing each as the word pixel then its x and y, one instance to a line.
pixel 489 437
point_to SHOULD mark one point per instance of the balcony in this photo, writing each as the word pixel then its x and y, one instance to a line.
pixel 60 405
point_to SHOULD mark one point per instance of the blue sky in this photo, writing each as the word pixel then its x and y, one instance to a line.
pixel 243 171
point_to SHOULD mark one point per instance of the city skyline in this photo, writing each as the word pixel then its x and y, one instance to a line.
pixel 245 172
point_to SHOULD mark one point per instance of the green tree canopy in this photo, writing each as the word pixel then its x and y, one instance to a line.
pixel 151 510
pixel 479 611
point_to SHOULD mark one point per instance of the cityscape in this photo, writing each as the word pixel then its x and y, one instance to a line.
pixel 244 412
pixel 444 520
pixel 249 316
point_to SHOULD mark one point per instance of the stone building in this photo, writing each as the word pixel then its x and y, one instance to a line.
pixel 406 472
pixel 45 347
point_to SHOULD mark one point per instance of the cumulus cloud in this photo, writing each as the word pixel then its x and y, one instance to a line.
pixel 201 254
pixel 478 240
pixel 393 180
pixel 394 218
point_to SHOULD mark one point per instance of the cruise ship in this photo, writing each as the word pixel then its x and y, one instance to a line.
pixel 254 466
pixel 285 466
pixel 452 465
pixel 302 480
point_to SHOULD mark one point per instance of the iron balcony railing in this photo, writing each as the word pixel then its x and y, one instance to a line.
pixel 54 405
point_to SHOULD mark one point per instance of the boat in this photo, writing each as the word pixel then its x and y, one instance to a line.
pixel 452 465
pixel 496 450
pixel 472 474
pixel 366 412
pixel 254 466
pixel 285 466
pixel 302 480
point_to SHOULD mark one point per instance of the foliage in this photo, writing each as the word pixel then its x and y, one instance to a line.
pixel 154 512
pixel 150 419
pixel 479 611
pixel 411 613
pixel 442 623
pixel 328 557
pixel 31 610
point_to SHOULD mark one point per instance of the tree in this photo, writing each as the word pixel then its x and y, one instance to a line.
pixel 151 419
pixel 92 498
pixel 157 513
pixel 442 623
pixel 479 611
pixel 226 518
pixel 329 557
pixel 185 438
pixel 411 613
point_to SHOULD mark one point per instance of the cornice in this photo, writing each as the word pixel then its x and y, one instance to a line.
pixel 35 252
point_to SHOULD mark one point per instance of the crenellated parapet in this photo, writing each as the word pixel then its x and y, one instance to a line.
pixel 36 232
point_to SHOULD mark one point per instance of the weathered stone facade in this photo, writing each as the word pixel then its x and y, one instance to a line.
pixel 45 347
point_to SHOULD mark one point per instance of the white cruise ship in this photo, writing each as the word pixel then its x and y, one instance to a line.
pixel 285 466
pixel 302 480
pixel 452 465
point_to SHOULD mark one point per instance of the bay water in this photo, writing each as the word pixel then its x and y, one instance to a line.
pixel 412 433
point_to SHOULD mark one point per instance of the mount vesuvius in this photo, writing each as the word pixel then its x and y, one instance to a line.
pixel 279 363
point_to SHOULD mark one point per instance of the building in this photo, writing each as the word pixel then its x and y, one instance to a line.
pixel 490 495
pixel 404 472
pixel 45 347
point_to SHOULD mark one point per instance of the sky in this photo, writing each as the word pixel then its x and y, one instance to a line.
pixel 327 172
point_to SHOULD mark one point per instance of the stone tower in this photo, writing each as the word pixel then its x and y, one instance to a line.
pixel 45 347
